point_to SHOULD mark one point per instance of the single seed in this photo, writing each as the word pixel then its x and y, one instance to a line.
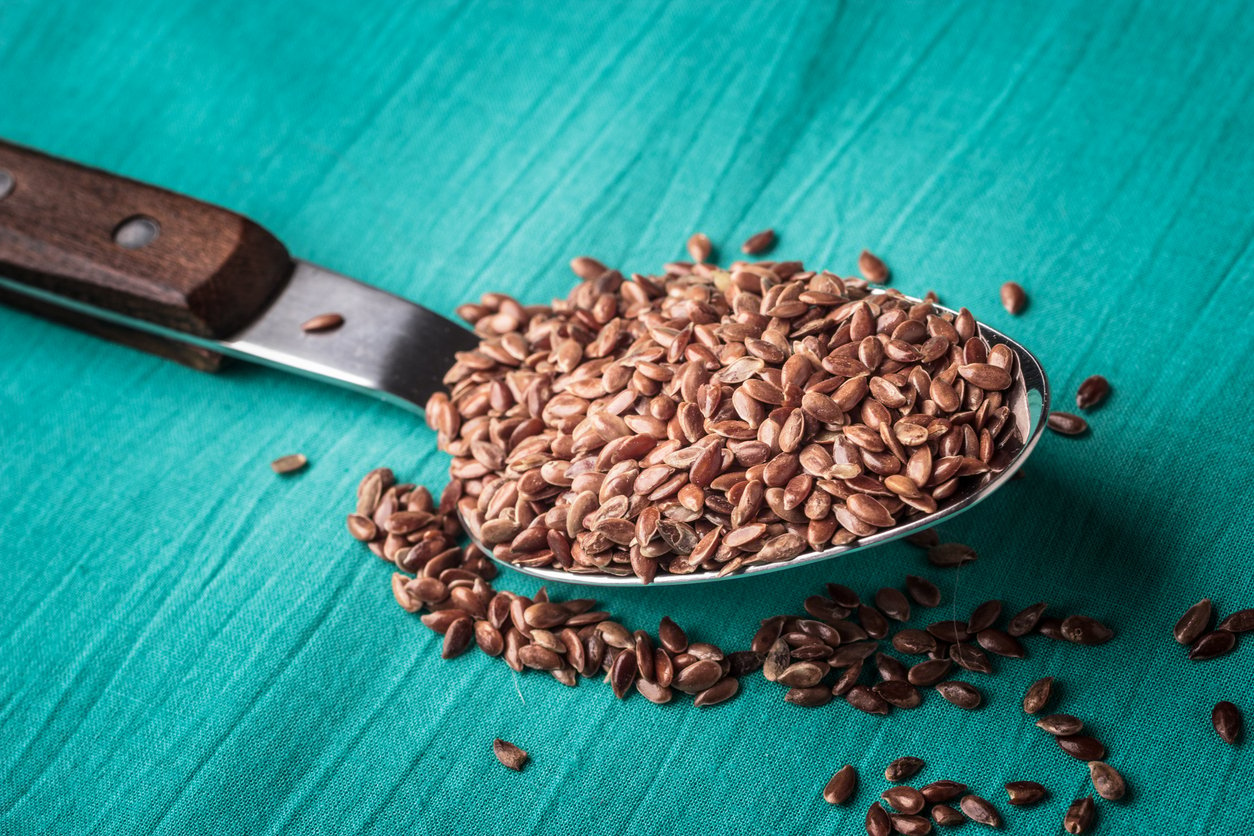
pixel 1081 629
pixel 1038 695
pixel 1241 621
pixel 322 322
pixel 961 694
pixel 929 673
pixel 1080 814
pixel 1025 621
pixel 945 815
pixel 866 700
pixel 1001 643
pixel 1060 724
pixel 1092 392
pixel 1107 781
pixel 893 604
pixel 924 592
pixel 1082 747
pixel 699 247
pixel 509 755
pixel 1013 298
pixel 924 539
pixel 914 642
pixel 1025 793
pixel 903 769
pixel 877 821
pixel 941 791
pixel 898 693
pixel 1066 423
pixel 759 242
pixel 1226 718
pixel 908 825
pixel 671 636
pixel 289 464
pixel 948 555
pixel 984 616
pixel 586 267
pixel 980 810
pixel 457 638
pixel 840 788
pixel 907 800
pixel 1212 646
pixel 971 658
pixel 872 268
pixel 721 691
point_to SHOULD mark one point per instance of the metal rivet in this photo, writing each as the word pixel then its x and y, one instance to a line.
pixel 6 184
pixel 136 231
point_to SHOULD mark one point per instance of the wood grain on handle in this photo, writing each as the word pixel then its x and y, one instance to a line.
pixel 207 273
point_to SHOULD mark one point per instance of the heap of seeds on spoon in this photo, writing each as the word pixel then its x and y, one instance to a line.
pixel 708 419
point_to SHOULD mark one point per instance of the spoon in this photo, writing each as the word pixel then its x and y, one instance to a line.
pixel 193 282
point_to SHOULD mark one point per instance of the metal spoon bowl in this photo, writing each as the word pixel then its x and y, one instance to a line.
pixel 1028 399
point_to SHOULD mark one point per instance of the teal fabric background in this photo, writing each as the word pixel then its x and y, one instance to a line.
pixel 190 644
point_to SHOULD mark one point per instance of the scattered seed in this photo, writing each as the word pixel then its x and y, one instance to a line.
pixel 587 268
pixel 980 811
pixel 289 464
pixel 1081 629
pixel 1060 724
pixel 840 788
pixel 872 268
pixel 924 539
pixel 1092 392
pixel 924 592
pixel 1241 621
pixel 1080 815
pixel 699 247
pixel 1013 297
pixel 1066 423
pixel 322 322
pixel 1082 747
pixel 940 791
pixel 1026 620
pixel 1107 781
pixel 457 638
pixel 907 800
pixel 509 755
pixel 759 242
pixel 947 816
pixel 1001 643
pixel 1025 793
pixel 721 691
pixel 1212 646
pixel 903 769
pixel 1195 621
pixel 948 555
pixel 893 604
pixel 866 700
pixel 1038 695
pixel 911 825
pixel 1226 718
pixel 929 673
pixel 984 616
pixel 961 694
pixel 898 693
pixel 877 821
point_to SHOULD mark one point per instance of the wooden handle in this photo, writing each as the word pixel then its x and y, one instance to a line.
pixel 133 249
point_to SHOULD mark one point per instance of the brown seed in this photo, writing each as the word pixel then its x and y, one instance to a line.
pixel 671 636
pixel 940 791
pixel 898 693
pixel 540 658
pixel 654 692
pixel 924 592
pixel 1082 747
pixel 877 821
pixel 1025 793
pixel 778 658
pixel 945 815
pixel 980 811
pixel 872 621
pixel 457 638
pixel 1107 781
pixel 1080 814
pixel 903 769
pixel 322 322
pixel 1241 621
pixel 911 825
pixel 948 555
pixel 984 616
pixel 623 672
pixel 906 800
pixel 961 694
pixel 586 267
pixel 840 788
pixel 866 700
pixel 719 692
pixel 1212 646
pixel 489 638
pixel 893 604
pixel 872 268
pixel 1038 695
pixel 1092 392
pixel 1025 621
pixel 1226 718
pixel 1081 629
pixel 699 247
pixel 929 673
pixel 545 615
pixel 803 674
pixel 843 596
pixel 289 464
pixel 1001 643
pixel 890 669
pixel 924 539
pixel 362 528
pixel 698 676
pixel 759 242
pixel 809 697
pixel 914 642
pixel 1066 423
pixel 971 658
pixel 986 376
pixel 1013 297
pixel 1060 724
pixel 744 662
pixel 950 631
pixel 509 755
